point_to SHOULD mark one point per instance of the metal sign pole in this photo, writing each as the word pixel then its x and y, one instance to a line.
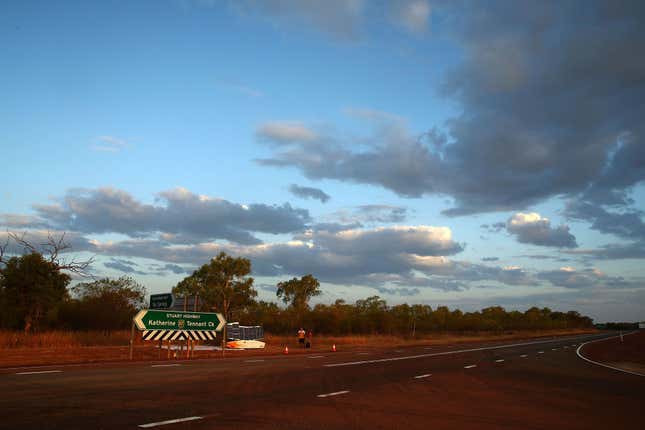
pixel 131 339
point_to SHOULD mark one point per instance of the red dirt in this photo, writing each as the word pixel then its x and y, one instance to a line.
pixel 630 353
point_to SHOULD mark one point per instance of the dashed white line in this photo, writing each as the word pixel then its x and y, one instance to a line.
pixel 316 356
pixel 540 352
pixel 253 361
pixel 470 367
pixel 335 393
pixel 523 355
pixel 554 349
pixel 40 372
pixel 427 375
pixel 362 353
pixel 163 423
pixel 501 360
pixel 436 354
pixel 166 365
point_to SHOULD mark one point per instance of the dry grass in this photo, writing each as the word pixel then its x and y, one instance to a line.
pixel 62 339
pixel 425 339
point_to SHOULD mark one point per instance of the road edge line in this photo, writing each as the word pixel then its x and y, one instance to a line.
pixel 597 363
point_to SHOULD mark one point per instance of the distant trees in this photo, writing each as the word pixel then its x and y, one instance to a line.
pixel 105 304
pixel 223 284
pixel 373 316
pixel 297 293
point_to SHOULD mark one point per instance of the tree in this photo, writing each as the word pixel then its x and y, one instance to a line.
pixel 297 292
pixel 32 285
pixel 223 284
pixel 105 304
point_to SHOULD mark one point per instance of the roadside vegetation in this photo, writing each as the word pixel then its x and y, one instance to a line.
pixel 39 308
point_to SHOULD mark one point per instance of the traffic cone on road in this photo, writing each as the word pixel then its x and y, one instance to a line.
pixel 333 348
pixel 286 350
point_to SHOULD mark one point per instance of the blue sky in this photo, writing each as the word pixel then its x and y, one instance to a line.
pixel 471 156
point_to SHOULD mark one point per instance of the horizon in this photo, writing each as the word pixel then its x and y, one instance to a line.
pixel 427 152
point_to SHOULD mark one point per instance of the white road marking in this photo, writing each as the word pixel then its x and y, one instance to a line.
pixel 436 354
pixel 40 372
pixel 316 356
pixel 523 355
pixel 603 364
pixel 566 347
pixel 499 361
pixel 554 349
pixel 166 365
pixel 163 423
pixel 470 367
pixel 429 347
pixel 336 393
pixel 540 352
pixel 423 376
pixel 398 350
pixel 253 361
pixel 362 353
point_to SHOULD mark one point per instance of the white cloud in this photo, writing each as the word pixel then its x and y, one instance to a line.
pixel 413 15
pixel 108 144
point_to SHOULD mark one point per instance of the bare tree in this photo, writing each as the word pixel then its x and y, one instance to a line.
pixel 51 251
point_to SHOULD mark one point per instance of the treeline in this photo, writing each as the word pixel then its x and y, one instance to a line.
pixel 374 316
pixel 35 295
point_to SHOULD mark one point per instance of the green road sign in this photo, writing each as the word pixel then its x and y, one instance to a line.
pixel 149 319
pixel 161 301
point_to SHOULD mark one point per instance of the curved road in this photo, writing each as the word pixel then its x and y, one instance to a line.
pixel 530 385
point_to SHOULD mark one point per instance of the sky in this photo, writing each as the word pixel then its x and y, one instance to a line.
pixel 440 152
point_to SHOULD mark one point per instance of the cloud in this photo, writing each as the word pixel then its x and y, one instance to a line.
pixel 179 214
pixel 613 251
pixel 108 144
pixel 281 132
pixel 309 193
pixel 124 266
pixel 490 258
pixel 413 15
pixel 534 229
pixel 627 224
pixel 339 18
pixel 569 277
pixel 550 103
pixel 242 89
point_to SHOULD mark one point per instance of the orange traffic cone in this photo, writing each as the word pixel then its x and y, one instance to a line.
pixel 333 348
pixel 286 350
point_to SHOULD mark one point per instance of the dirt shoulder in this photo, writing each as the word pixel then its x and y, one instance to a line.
pixel 149 351
pixel 628 354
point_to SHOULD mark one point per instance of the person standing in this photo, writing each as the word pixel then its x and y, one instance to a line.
pixel 301 337
pixel 310 335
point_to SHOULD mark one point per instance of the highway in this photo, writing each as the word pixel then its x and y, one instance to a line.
pixel 521 384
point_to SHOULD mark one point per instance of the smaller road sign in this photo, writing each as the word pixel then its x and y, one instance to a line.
pixel 152 319
pixel 161 301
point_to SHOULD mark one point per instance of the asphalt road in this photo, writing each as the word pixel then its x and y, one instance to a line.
pixel 521 384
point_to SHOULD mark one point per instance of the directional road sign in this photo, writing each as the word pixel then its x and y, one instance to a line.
pixel 151 319
pixel 161 301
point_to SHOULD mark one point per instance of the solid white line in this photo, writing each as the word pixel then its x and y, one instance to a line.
pixel 436 354
pixel 336 393
pixel 39 372
pixel 166 365
pixel 523 355
pixel 163 423
pixel 603 364
pixel 499 361
pixel 470 367
pixel 423 376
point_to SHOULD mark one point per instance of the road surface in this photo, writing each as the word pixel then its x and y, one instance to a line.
pixel 531 384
